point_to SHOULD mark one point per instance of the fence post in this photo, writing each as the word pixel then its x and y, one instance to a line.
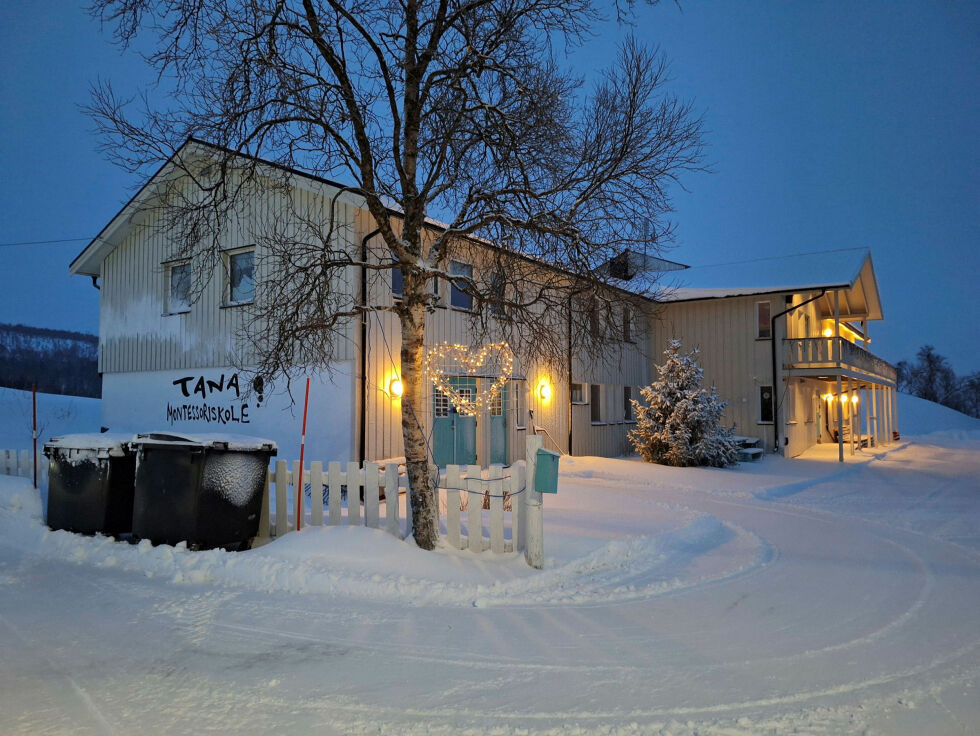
pixel 297 494
pixel 496 509
pixel 452 505
pixel 391 499
pixel 354 494
pixel 534 549
pixel 264 511
pixel 316 493
pixel 474 508
pixel 334 482
pixel 371 495
pixel 517 508
pixel 282 492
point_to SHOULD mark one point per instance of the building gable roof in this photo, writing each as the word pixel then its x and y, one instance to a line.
pixel 846 269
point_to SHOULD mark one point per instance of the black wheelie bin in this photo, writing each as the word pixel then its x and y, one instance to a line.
pixel 204 489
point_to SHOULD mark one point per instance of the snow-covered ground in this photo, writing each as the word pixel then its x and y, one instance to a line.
pixel 787 596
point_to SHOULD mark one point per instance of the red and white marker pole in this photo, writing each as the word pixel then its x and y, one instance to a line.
pixel 302 451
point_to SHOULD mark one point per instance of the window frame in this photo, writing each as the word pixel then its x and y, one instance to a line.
pixel 498 290
pixel 229 256
pixel 758 320
pixel 455 290
pixel 581 400
pixel 628 416
pixel 520 405
pixel 400 292
pixel 595 404
pixel 168 285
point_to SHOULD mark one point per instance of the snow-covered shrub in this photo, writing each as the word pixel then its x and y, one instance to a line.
pixel 681 422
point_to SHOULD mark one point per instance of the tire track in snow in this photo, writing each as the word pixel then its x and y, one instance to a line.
pixel 83 697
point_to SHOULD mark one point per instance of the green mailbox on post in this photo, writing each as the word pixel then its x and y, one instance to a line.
pixel 546 471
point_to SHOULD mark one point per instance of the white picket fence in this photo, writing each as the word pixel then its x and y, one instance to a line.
pixel 493 509
pixel 19 462
pixel 479 509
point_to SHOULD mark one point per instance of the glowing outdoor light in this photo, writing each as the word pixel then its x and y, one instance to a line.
pixel 855 398
pixel 395 387
pixel 544 390
pixel 843 398
pixel 828 332
pixel 828 397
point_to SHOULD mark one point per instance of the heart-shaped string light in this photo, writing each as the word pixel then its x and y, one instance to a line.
pixel 446 361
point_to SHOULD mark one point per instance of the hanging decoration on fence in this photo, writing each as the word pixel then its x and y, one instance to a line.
pixel 493 362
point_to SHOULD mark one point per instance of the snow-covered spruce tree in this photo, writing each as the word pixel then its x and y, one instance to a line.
pixel 681 422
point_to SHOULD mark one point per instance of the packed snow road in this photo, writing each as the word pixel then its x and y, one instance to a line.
pixel 786 596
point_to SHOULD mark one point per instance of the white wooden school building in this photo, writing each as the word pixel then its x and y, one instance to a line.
pixel 786 343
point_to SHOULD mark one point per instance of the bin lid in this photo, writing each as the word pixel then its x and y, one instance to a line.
pixel 113 443
pixel 213 441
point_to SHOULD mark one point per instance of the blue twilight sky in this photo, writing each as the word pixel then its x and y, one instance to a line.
pixel 829 125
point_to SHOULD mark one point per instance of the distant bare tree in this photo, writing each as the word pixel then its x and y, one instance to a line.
pixel 457 109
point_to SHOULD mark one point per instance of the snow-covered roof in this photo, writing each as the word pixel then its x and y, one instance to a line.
pixel 806 271
pixel 849 270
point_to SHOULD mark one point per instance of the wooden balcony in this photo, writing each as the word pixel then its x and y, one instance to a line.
pixel 820 356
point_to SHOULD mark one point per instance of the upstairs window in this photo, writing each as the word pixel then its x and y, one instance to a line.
pixel 459 297
pixel 576 394
pixel 241 276
pixel 628 403
pixel 498 286
pixel 627 325
pixel 179 287
pixel 397 281
pixel 763 310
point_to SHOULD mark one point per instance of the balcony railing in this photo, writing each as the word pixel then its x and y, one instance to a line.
pixel 823 352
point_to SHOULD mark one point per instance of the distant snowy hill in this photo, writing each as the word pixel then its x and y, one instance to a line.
pixel 917 417
pixel 58 361
pixel 56 414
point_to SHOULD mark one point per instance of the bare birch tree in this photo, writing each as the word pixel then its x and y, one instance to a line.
pixel 461 110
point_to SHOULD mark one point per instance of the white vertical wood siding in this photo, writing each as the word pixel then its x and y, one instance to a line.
pixel 734 360
pixel 136 333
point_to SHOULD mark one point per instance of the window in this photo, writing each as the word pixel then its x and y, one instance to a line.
pixel 241 277
pixel 763 311
pixel 458 296
pixel 440 403
pixel 498 286
pixel 595 399
pixel 397 281
pixel 627 403
pixel 594 324
pixel 576 394
pixel 765 405
pixel 520 395
pixel 497 404
pixel 179 287
pixel 627 325
pixel 791 398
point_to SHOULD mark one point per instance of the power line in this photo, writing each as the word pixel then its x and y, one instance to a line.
pixel 44 242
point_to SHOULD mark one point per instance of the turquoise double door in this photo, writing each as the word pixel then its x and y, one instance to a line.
pixel 455 436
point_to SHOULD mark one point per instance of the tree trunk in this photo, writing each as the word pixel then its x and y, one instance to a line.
pixel 421 495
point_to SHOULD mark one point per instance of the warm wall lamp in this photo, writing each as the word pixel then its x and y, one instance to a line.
pixel 544 390
pixel 395 387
